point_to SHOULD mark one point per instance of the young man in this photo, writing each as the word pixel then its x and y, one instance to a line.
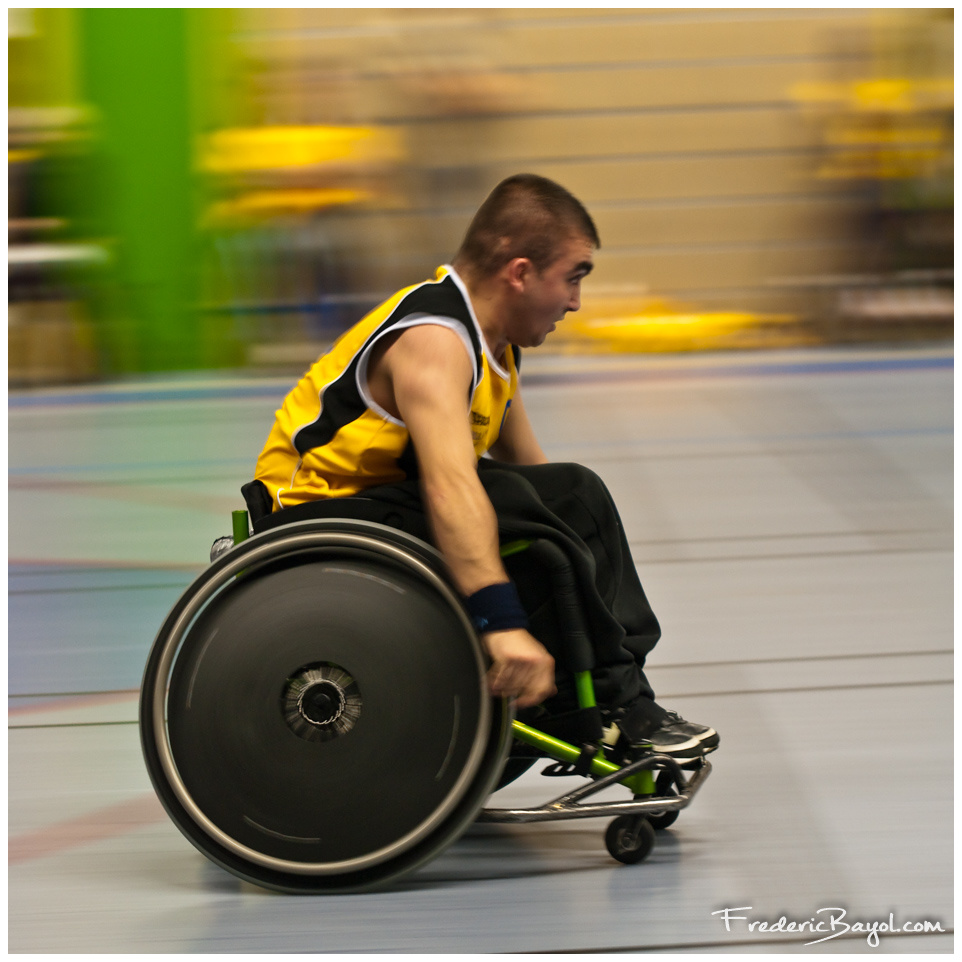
pixel 424 386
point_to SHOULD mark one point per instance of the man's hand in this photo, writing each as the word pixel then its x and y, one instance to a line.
pixel 521 667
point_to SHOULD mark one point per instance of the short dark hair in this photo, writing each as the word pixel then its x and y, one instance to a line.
pixel 524 216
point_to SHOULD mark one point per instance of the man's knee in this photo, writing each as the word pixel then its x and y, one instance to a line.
pixel 562 479
pixel 583 478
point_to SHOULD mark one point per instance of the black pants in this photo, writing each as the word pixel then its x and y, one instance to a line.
pixel 570 506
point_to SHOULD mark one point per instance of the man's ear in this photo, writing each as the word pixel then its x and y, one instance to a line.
pixel 517 272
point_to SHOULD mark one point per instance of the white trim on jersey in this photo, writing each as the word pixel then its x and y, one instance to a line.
pixel 411 320
pixel 495 366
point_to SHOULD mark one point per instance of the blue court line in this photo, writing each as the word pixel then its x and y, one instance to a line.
pixel 759 439
pixel 772 369
pixel 246 462
pixel 767 369
pixel 148 394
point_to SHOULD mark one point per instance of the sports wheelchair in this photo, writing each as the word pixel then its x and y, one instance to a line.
pixel 314 714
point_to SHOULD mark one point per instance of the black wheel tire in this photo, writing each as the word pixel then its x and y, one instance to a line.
pixel 665 788
pixel 339 813
pixel 630 839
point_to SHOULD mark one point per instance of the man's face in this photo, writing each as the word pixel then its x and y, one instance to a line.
pixel 548 296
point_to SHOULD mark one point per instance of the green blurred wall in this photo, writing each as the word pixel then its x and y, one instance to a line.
pixel 135 72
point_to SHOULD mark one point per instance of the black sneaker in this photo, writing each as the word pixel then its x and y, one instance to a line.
pixel 707 736
pixel 647 725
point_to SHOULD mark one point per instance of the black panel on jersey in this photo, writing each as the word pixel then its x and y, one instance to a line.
pixel 342 402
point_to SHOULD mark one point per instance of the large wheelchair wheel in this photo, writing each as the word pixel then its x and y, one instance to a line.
pixel 314 714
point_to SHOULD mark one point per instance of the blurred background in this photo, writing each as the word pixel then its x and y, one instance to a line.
pixel 227 189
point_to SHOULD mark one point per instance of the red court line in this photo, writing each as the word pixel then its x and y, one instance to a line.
pixel 110 822
pixel 67 702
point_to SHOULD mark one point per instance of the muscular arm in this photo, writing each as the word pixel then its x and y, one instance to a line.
pixel 430 374
pixel 427 373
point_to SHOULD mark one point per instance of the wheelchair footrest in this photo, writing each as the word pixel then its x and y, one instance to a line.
pixel 571 806
pixel 580 767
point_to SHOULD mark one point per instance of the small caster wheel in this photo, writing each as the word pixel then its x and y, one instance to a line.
pixel 630 839
pixel 664 787
pixel 664 819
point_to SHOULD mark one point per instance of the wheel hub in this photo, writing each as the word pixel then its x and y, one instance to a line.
pixel 321 702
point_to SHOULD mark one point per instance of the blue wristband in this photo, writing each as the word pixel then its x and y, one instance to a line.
pixel 496 608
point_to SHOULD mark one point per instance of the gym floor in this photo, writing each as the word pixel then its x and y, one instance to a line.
pixel 791 515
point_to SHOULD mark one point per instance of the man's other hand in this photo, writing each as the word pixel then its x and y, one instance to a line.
pixel 521 667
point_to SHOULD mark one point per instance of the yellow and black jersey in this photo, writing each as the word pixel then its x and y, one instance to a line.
pixel 330 438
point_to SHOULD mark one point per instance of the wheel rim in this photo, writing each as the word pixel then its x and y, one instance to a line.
pixel 322 697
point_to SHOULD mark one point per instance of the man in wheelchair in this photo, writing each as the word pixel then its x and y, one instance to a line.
pixel 417 409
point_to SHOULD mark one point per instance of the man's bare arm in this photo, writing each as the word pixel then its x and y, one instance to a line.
pixel 430 375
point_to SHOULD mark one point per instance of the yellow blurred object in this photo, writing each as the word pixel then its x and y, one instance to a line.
pixel 662 330
pixel 22 155
pixel 880 164
pixel 286 201
pixel 886 128
pixel 883 94
pixel 902 134
pixel 241 150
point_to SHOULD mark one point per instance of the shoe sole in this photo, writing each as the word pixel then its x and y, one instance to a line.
pixel 709 740
pixel 678 750
pixel 706 741
pixel 685 747
pixel 682 753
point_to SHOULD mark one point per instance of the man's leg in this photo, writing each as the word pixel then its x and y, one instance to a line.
pixel 622 625
pixel 570 505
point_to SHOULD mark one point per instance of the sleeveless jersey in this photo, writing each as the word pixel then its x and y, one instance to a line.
pixel 331 439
